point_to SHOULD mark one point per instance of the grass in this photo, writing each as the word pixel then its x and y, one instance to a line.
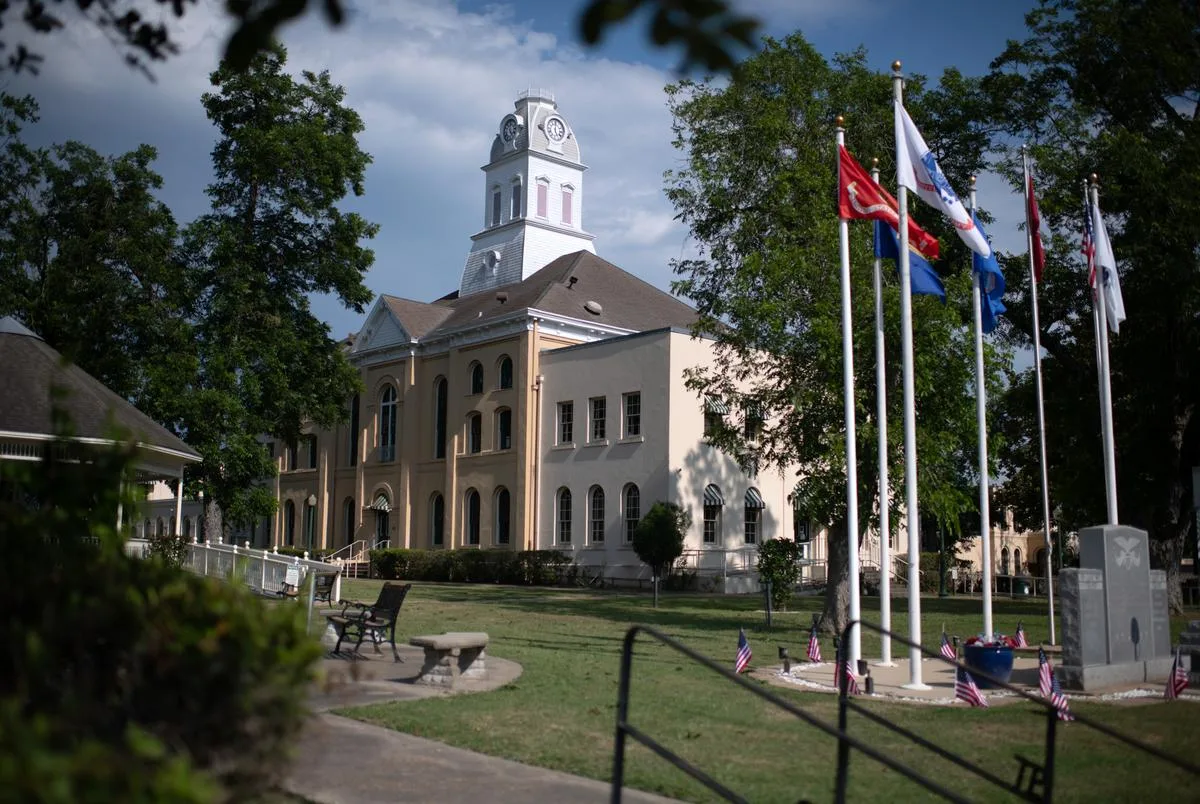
pixel 561 712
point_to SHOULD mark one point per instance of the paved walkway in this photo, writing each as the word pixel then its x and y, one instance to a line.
pixel 344 761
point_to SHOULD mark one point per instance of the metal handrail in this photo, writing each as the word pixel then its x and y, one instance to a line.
pixel 354 552
pixel 625 729
pixel 1024 787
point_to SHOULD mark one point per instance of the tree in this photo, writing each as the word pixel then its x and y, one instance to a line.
pixel 288 154
pixel 658 538
pixel 1111 88
pixel 87 262
pixel 710 31
pixel 757 191
pixel 779 565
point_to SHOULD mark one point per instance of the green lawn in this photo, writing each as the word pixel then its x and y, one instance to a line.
pixel 560 713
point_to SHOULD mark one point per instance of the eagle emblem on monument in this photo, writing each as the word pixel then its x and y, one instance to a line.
pixel 1127 557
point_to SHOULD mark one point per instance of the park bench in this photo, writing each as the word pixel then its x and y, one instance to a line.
pixel 450 656
pixel 377 621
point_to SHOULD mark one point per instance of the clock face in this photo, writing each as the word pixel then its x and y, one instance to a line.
pixel 555 129
pixel 509 132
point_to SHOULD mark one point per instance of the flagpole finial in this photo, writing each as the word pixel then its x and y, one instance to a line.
pixel 839 120
pixel 896 66
pixel 875 162
pixel 972 181
pixel 1095 180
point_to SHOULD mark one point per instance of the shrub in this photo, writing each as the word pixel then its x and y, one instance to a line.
pixel 658 538
pixel 469 565
pixel 130 679
pixel 779 563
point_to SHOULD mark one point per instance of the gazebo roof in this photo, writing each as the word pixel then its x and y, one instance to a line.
pixel 29 368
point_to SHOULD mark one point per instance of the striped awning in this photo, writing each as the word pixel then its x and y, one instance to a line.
pixel 714 404
pixel 381 504
pixel 712 496
pixel 754 499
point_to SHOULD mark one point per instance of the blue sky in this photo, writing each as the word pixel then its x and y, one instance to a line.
pixel 433 78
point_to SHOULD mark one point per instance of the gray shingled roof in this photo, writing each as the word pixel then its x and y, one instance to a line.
pixel 625 301
pixel 28 368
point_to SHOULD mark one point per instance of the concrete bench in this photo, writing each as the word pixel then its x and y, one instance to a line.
pixel 451 656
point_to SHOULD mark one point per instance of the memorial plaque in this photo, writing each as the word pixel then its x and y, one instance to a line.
pixel 1159 615
pixel 1084 625
pixel 1122 554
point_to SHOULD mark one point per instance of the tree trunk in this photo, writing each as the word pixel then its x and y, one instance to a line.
pixel 1166 553
pixel 836 615
pixel 214 529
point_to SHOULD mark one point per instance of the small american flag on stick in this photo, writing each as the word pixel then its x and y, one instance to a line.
pixel 743 652
pixel 814 645
pixel 1021 643
pixel 965 689
pixel 1045 674
pixel 851 681
pixel 1177 682
pixel 948 649
pixel 1058 699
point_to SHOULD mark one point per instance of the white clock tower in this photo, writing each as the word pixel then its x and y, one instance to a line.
pixel 533 197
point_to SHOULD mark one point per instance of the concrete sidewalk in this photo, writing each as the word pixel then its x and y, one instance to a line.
pixel 343 761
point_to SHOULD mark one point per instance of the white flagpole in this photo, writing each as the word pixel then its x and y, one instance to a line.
pixel 854 650
pixel 985 517
pixel 885 492
pixel 1110 461
pixel 1041 405
pixel 912 513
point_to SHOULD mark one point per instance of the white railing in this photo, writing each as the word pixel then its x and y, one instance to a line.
pixel 138 548
pixel 263 571
pixel 355 551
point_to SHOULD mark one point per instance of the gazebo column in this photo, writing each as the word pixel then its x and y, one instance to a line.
pixel 179 504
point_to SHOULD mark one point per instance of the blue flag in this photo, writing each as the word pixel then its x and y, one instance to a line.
pixel 924 279
pixel 991 284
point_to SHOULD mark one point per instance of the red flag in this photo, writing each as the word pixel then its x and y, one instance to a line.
pixel 859 196
pixel 1033 220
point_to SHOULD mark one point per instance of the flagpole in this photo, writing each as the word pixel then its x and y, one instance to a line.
pixel 1110 461
pixel 911 511
pixel 1041 404
pixel 985 517
pixel 854 652
pixel 885 492
pixel 1096 325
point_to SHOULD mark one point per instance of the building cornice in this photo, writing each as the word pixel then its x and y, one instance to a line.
pixel 535 223
pixel 549 157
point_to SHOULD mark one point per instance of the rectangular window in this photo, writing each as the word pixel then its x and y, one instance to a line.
pixel 712 515
pixel 633 414
pixel 496 208
pixel 599 406
pixel 753 424
pixel 543 195
pixel 566 422
pixel 516 201
pixel 566 206
pixel 312 452
pixel 753 517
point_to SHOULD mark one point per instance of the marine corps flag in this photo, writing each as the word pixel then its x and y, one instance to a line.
pixel 859 196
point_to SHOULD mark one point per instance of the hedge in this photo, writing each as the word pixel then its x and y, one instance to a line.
pixel 525 568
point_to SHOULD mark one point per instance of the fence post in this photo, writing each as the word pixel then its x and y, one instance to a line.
pixel 843 751
pixel 767 589
pixel 206 546
pixel 263 586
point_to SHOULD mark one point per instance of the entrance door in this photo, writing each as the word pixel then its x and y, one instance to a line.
pixel 381 526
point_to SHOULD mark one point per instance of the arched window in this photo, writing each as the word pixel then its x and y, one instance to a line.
pixel 1004 561
pixel 387 424
pixel 437 521
pixel 471 520
pixel 147 530
pixel 713 503
pixel 161 530
pixel 289 523
pixel 187 528
pixel 348 517
pixel 754 509
pixel 310 525
pixel 440 400
pixel 564 516
pixel 476 378
pixel 543 198
pixel 1016 561
pixel 503 516
pixel 352 435
pixel 504 373
pixel 596 515
pixel 474 433
pixel 568 195
pixel 633 510
pixel 516 198
pixel 504 428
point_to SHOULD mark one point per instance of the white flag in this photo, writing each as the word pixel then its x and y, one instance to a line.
pixel 917 170
pixel 1106 267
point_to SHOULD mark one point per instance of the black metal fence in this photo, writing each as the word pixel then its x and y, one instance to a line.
pixel 1034 780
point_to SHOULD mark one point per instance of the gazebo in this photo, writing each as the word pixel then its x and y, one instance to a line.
pixel 30 368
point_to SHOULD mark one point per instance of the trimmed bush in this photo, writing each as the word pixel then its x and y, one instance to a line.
pixel 524 568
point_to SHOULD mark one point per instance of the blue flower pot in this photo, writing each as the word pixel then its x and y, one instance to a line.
pixel 996 661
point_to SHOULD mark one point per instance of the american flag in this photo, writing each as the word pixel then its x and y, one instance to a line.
pixel 1058 699
pixel 948 649
pixel 1177 682
pixel 965 689
pixel 743 654
pixel 814 645
pixel 1088 247
pixel 1045 674
pixel 1021 643
pixel 851 681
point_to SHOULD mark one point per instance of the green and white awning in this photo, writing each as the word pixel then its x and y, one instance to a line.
pixel 712 496
pixel 715 404
pixel 754 499
pixel 381 504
